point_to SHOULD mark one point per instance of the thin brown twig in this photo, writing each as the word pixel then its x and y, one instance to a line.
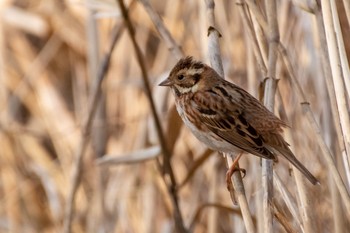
pixel 197 163
pixel 95 97
pixel 288 199
pixel 219 206
pixel 249 29
pixel 163 31
pixel 258 15
pixel 167 168
pixel 281 218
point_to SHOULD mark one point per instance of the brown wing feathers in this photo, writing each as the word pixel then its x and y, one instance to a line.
pixel 231 126
pixel 234 127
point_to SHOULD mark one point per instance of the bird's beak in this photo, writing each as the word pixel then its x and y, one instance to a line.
pixel 166 82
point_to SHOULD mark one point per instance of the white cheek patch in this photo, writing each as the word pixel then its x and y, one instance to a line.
pixel 183 89
pixel 194 88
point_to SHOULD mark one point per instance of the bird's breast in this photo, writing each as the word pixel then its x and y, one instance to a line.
pixel 189 116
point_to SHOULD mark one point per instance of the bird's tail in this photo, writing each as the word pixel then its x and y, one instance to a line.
pixel 283 148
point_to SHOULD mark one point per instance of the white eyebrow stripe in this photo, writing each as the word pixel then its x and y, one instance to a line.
pixel 193 71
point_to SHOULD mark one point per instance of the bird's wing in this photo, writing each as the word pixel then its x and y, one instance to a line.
pixel 229 124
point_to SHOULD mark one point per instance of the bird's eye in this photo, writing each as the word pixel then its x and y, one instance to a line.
pixel 180 77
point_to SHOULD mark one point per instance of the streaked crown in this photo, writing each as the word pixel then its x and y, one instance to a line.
pixel 185 75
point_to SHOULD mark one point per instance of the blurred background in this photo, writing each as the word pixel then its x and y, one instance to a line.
pixel 51 67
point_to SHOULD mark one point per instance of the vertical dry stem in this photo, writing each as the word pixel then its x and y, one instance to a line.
pixel 327 155
pixel 269 96
pixel 99 137
pixel 166 154
pixel 215 61
pixel 329 82
pixel 333 43
pixel 310 116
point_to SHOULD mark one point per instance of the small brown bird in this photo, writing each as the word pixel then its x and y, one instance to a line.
pixel 225 117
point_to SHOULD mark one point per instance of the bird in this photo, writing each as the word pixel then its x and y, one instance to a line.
pixel 225 117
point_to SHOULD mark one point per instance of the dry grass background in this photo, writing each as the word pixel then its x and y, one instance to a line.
pixel 59 148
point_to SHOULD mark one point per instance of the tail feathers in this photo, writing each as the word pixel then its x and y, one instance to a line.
pixel 277 143
pixel 288 154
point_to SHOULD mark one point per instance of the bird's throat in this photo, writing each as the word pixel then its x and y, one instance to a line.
pixel 180 90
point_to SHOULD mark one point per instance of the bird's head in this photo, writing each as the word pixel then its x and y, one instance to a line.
pixel 186 76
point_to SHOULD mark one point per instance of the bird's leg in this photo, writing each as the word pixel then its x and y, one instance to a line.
pixel 232 169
